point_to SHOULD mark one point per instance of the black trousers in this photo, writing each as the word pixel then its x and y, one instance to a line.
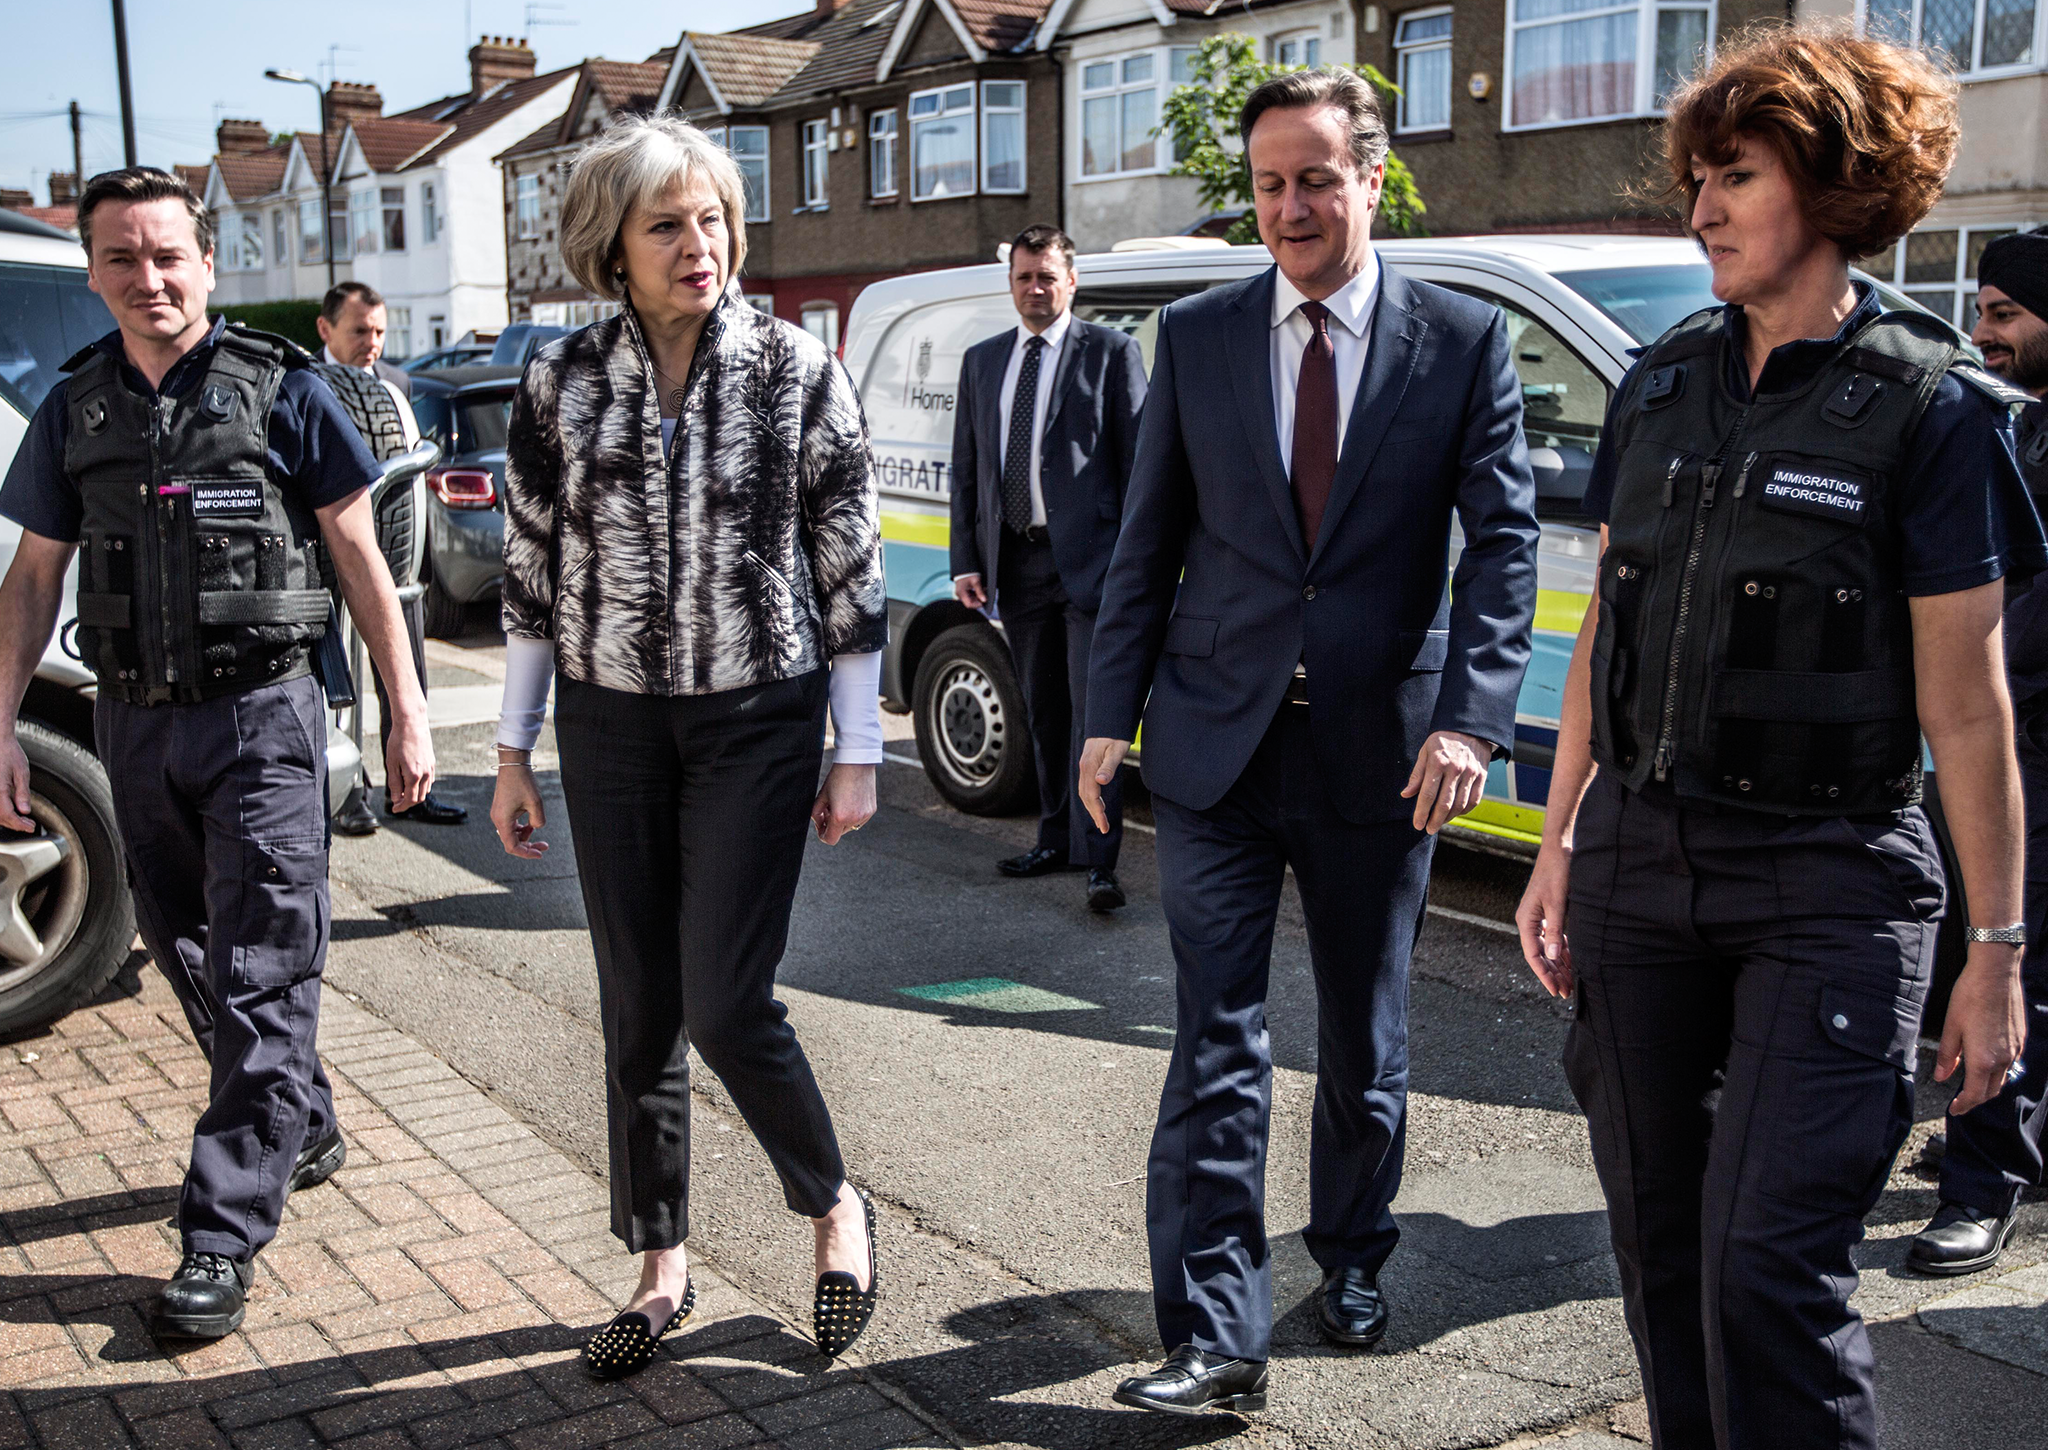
pixel 1995 1149
pixel 222 809
pixel 415 612
pixel 1049 638
pixel 689 814
pixel 1749 998
pixel 1362 892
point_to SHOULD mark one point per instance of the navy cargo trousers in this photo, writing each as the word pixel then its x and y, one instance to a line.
pixel 1749 999
pixel 222 809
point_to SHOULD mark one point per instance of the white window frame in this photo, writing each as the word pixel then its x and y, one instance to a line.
pixel 762 210
pixel 815 149
pixel 1020 111
pixel 1402 55
pixel 318 252
pixel 1645 100
pixel 1162 82
pixel 761 302
pixel 1964 282
pixel 526 207
pixel 365 219
pixel 2035 62
pixel 827 330
pixel 1304 37
pixel 386 205
pixel 280 238
pixel 973 117
pixel 250 227
pixel 398 332
pixel 430 214
pixel 883 126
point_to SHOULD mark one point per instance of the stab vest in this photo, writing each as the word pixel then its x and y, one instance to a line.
pixel 1754 646
pixel 200 576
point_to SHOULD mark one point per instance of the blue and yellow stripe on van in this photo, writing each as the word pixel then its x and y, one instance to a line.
pixel 915 555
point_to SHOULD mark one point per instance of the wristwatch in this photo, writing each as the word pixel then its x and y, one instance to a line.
pixel 2010 935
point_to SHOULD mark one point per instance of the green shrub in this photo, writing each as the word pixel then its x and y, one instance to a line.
pixel 294 320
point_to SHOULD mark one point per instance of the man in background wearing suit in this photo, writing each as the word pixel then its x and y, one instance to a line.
pixel 352 325
pixel 1316 701
pixel 1043 435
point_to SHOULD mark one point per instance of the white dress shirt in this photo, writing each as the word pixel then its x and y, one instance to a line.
pixel 1350 322
pixel 1054 334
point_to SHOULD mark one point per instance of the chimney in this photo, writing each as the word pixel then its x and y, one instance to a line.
pixel 239 138
pixel 349 102
pixel 14 200
pixel 496 59
pixel 827 7
pixel 63 188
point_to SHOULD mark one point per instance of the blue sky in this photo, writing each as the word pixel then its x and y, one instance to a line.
pixel 193 61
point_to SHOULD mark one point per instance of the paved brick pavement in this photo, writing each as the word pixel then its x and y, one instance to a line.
pixel 433 1294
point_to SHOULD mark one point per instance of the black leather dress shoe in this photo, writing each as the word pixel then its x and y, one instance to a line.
pixel 318 1162
pixel 355 818
pixel 1193 1383
pixel 204 1299
pixel 1039 861
pixel 1351 1309
pixel 1959 1240
pixel 1104 894
pixel 432 811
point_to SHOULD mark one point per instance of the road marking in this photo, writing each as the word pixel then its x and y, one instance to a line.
pixel 998 994
pixel 1484 923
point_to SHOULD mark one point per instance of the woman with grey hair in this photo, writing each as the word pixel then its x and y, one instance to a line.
pixel 693 554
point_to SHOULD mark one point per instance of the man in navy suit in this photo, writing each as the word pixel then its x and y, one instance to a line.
pixel 1317 701
pixel 1044 432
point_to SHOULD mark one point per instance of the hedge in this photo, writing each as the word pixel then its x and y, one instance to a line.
pixel 294 320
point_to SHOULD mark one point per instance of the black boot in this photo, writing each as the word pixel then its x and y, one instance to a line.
pixel 204 1299
pixel 318 1162
pixel 355 818
pixel 1960 1240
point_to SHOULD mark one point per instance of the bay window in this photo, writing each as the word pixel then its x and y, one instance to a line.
pixel 312 246
pixel 362 222
pixel 1002 136
pixel 1422 69
pixel 1571 61
pixel 280 243
pixel 748 147
pixel 1123 98
pixel 392 199
pixel 1300 47
pixel 1967 36
pixel 942 143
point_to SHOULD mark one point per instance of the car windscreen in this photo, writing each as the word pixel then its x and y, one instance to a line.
pixel 1646 302
pixel 46 315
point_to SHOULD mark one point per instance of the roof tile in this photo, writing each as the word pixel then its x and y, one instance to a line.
pixel 747 69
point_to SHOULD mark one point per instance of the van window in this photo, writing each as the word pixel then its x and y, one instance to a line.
pixel 46 315
pixel 1564 404
pixel 1134 310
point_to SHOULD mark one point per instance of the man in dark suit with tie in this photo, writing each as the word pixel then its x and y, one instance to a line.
pixel 1044 431
pixel 1317 700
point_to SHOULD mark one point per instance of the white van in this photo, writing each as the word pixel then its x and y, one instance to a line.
pixel 1576 307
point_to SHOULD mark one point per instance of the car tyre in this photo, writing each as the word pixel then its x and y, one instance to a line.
pixel 77 909
pixel 971 733
pixel 445 616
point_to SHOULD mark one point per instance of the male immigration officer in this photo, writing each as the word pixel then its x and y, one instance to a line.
pixel 1993 1153
pixel 1317 701
pixel 1043 435
pixel 202 469
pixel 353 324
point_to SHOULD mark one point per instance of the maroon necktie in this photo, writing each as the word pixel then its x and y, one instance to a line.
pixel 1315 424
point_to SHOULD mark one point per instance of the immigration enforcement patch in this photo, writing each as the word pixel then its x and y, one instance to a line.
pixel 1797 488
pixel 227 499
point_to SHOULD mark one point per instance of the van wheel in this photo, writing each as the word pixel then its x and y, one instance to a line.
pixel 969 714
pixel 66 920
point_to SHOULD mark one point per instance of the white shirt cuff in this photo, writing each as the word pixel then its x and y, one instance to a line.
pixel 529 671
pixel 855 690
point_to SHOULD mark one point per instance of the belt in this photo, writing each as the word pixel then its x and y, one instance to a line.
pixel 1297 690
pixel 131 694
pixel 1035 534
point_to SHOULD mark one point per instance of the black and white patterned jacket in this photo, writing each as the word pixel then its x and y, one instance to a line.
pixel 753 553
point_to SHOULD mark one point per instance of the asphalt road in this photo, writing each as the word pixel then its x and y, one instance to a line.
pixel 992 1053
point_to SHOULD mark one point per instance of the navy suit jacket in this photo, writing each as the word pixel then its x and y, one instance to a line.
pixel 1212 598
pixel 1085 455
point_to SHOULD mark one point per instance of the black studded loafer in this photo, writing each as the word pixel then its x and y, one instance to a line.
pixel 842 1309
pixel 1960 1240
pixel 1350 1309
pixel 318 1162
pixel 626 1345
pixel 1194 1383
pixel 205 1298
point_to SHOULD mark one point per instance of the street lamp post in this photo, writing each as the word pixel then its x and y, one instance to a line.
pixel 326 174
